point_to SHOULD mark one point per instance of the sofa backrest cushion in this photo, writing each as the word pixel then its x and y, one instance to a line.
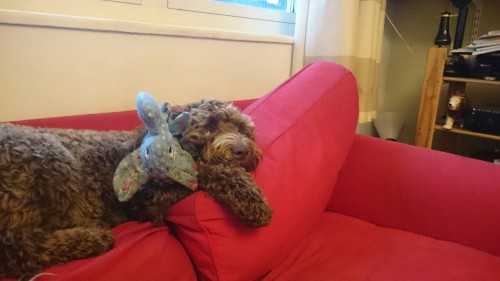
pixel 305 128
pixel 121 121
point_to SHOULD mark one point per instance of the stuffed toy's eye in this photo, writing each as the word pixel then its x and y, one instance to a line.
pixel 170 153
pixel 146 156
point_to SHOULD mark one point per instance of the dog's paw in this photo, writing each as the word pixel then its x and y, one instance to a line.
pixel 77 243
pixel 448 123
pixel 32 250
pixel 260 215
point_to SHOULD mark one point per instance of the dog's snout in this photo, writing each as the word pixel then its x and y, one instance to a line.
pixel 239 149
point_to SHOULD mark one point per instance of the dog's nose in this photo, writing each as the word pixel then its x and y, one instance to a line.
pixel 239 149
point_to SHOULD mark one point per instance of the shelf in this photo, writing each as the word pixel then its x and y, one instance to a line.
pixel 431 102
pixel 465 132
pixel 470 80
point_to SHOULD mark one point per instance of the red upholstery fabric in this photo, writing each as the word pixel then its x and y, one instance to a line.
pixel 305 128
pixel 141 252
pixel 419 190
pixel 121 121
pixel 344 248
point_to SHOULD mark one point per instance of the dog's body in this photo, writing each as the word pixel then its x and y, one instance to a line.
pixel 57 202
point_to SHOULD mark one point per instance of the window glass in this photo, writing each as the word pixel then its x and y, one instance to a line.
pixel 280 5
pixel 270 10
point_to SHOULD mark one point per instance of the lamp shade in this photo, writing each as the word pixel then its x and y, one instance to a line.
pixel 389 125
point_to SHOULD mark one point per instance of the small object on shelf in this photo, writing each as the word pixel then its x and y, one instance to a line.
pixel 485 44
pixel 443 36
pixel 487 66
pixel 455 109
pixel 456 66
pixel 482 120
pixel 488 155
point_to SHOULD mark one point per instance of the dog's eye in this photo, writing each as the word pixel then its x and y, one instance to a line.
pixel 194 138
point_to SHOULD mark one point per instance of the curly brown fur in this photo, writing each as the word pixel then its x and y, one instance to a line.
pixel 57 203
pixel 222 142
pixel 152 202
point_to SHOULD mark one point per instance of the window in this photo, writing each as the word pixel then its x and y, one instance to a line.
pixel 280 5
pixel 269 10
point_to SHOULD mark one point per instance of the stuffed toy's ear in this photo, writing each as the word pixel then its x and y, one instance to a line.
pixel 129 176
pixel 150 114
pixel 178 125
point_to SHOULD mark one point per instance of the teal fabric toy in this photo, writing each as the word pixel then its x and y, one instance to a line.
pixel 160 155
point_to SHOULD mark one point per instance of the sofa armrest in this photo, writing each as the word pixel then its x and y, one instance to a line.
pixel 427 192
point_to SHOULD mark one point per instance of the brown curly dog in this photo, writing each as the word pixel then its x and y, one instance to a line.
pixel 222 142
pixel 57 202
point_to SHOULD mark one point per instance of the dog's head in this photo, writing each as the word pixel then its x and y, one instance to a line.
pixel 221 134
pixel 457 102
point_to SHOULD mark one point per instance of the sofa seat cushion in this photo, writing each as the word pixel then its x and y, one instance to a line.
pixel 340 247
pixel 305 128
pixel 141 252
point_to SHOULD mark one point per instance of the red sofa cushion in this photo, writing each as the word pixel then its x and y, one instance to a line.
pixel 141 252
pixel 424 191
pixel 340 247
pixel 305 128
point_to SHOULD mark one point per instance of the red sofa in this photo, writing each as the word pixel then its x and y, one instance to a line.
pixel 347 206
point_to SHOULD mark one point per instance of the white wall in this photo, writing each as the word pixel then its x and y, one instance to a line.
pixel 62 58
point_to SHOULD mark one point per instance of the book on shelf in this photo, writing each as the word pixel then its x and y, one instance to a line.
pixel 494 32
pixel 486 50
pixel 485 44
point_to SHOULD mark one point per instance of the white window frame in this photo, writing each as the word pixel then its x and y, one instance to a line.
pixel 228 9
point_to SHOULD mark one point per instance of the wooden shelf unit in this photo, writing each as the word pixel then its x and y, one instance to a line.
pixel 429 101
pixel 470 80
pixel 466 132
